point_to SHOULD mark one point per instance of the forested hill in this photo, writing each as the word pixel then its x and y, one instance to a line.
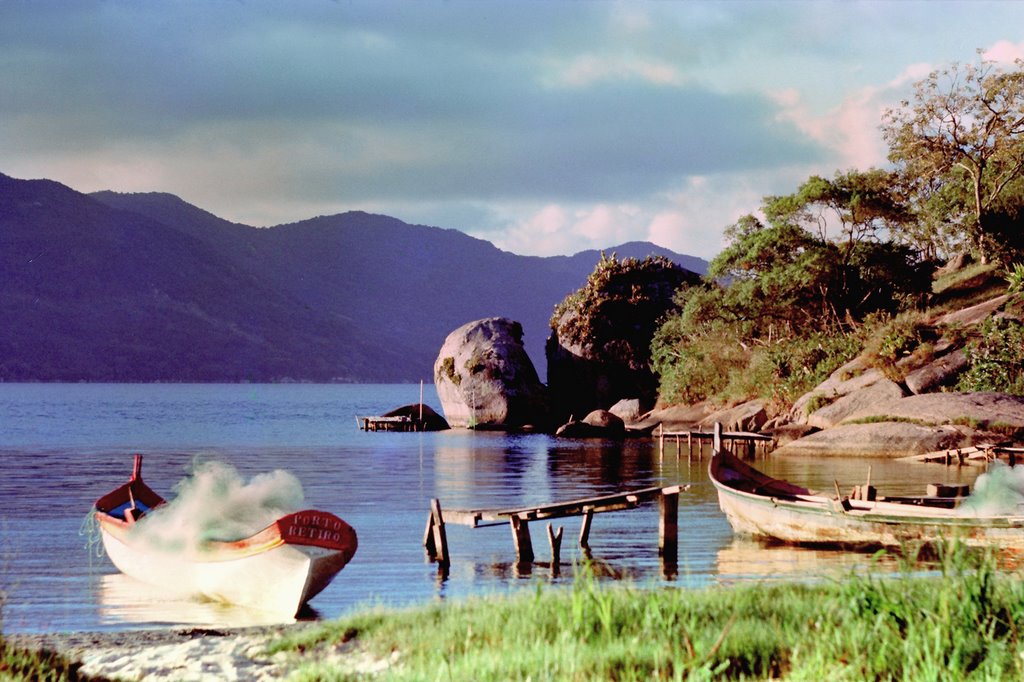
pixel 146 287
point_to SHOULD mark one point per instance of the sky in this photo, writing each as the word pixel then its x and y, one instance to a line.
pixel 545 128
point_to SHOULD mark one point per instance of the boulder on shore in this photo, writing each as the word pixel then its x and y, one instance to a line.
pixel 485 379
pixel 597 424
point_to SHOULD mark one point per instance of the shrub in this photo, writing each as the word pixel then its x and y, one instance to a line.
pixel 895 339
pixel 1015 279
pixel 995 359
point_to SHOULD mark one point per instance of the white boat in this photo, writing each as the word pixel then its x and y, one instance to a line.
pixel 761 506
pixel 277 569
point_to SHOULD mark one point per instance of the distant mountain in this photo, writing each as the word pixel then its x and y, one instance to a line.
pixel 146 287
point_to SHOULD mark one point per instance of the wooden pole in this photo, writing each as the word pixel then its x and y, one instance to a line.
pixel 555 540
pixel 521 539
pixel 588 516
pixel 436 539
pixel 668 524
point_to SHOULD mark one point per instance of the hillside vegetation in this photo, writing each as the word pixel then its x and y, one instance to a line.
pixel 850 265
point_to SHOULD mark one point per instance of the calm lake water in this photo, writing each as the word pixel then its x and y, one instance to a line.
pixel 62 446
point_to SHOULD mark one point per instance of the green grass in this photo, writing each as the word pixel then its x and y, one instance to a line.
pixel 963 621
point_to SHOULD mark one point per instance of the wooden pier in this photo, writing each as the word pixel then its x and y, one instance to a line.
pixel 742 443
pixel 436 542
pixel 980 455
pixel 401 423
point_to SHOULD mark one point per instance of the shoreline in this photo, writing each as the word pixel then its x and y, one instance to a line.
pixel 191 653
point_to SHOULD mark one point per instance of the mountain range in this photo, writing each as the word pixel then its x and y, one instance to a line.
pixel 146 287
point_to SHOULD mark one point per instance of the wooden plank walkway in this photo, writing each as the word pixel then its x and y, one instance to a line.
pixel 436 542
pixel 389 424
pixel 973 454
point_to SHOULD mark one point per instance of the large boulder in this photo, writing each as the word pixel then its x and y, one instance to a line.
pixel 628 410
pixel 597 424
pixel 673 417
pixel 976 314
pixel 939 372
pixel 485 379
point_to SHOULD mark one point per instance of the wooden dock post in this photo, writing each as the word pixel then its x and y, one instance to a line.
pixel 668 522
pixel 435 539
pixel 588 517
pixel 521 539
pixel 555 540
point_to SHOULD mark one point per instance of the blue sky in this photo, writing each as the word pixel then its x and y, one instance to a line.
pixel 544 127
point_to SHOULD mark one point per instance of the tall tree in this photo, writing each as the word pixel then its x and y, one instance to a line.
pixel 964 127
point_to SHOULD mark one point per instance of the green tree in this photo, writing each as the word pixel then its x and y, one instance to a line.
pixel 964 129
pixel 853 206
pixel 614 315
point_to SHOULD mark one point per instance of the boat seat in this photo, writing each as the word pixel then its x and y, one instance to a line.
pixel 122 511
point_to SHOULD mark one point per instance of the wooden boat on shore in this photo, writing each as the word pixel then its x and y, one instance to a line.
pixel 761 506
pixel 277 569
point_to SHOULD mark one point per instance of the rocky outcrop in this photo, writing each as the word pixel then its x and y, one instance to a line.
pixel 749 416
pixel 914 425
pixel 485 379
pixel 579 382
pixel 835 412
pixel 853 376
pixel 886 439
pixel 981 410
pixel 939 372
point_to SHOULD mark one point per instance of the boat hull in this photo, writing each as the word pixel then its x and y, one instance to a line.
pixel 270 571
pixel 279 580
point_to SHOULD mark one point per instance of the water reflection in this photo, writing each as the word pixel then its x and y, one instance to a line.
pixel 125 600
pixel 745 559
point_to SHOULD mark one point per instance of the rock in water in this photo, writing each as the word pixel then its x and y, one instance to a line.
pixel 485 379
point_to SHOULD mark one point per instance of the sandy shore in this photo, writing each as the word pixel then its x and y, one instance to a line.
pixel 195 654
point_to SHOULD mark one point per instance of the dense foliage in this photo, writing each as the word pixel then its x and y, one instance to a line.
pixel 615 314
pixel 783 304
pixel 841 262
pixel 996 358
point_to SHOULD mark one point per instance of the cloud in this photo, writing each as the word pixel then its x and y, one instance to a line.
pixel 544 130
pixel 1005 52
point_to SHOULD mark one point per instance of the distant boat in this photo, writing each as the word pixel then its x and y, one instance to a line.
pixel 277 569
pixel 761 506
